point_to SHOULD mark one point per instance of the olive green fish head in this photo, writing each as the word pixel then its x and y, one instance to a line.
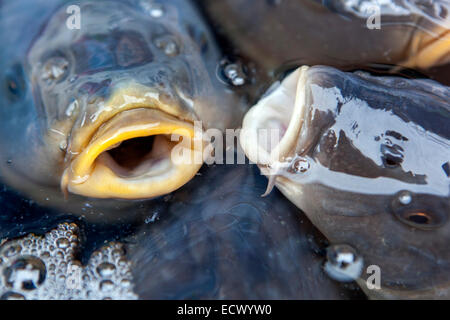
pixel 111 95
pixel 367 159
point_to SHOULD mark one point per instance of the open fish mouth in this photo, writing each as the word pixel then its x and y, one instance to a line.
pixel 271 128
pixel 131 154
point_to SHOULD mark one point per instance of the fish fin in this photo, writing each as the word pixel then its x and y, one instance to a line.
pixel 272 179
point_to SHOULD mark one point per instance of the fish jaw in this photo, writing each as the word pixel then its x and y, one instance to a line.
pixel 280 115
pixel 92 171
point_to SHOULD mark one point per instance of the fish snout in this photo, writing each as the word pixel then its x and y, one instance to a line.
pixel 271 128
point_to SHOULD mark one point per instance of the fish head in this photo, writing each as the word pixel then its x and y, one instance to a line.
pixel 114 97
pixel 366 158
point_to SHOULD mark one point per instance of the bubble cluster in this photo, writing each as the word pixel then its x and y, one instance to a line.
pixel 45 268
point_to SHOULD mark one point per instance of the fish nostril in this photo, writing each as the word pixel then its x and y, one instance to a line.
pixel 167 44
pixel 55 69
pixel 390 161
pixel 391 154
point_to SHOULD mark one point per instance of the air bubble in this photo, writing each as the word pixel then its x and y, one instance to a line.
pixel 62 243
pixel 343 263
pixel 168 45
pixel 300 165
pixel 405 198
pixel 155 10
pixel 12 251
pixel 117 253
pixel 234 73
pixel 122 262
pixel 106 285
pixel 12 296
pixel 125 283
pixel 106 269
pixel 55 68
pixel 26 273
pixel 62 278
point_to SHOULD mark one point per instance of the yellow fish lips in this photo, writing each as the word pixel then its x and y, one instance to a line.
pixel 139 153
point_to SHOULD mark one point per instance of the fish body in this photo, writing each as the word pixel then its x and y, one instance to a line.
pixel 289 33
pixel 94 110
pixel 367 159
pixel 228 243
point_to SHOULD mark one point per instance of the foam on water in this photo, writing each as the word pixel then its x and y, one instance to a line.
pixel 46 267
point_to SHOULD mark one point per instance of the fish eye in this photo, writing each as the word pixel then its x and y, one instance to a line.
pixel 418 211
pixel 15 83
pixel 418 217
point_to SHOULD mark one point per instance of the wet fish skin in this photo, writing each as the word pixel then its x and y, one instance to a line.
pixel 378 151
pixel 227 242
pixel 17 106
pixel 292 33
pixel 417 139
pixel 119 45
